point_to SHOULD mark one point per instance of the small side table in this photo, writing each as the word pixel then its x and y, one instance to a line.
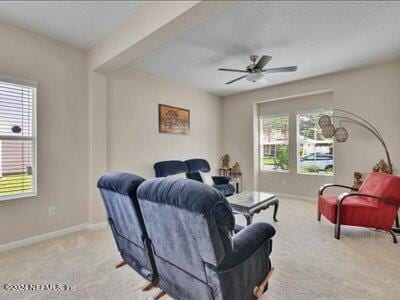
pixel 248 203
pixel 236 178
pixel 225 172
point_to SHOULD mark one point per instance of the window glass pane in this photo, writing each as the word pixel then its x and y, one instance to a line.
pixel 315 153
pixel 15 110
pixel 15 167
pixel 17 141
pixel 274 143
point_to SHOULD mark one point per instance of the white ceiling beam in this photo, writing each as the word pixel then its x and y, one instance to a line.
pixel 152 25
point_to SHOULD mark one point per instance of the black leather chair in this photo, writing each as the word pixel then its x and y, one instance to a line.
pixel 118 191
pixel 190 225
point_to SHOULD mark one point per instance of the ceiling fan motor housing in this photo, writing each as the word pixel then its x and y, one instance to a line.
pixel 253 58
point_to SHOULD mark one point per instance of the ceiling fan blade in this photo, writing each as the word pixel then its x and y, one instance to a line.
pixel 233 70
pixel 236 79
pixel 282 69
pixel 262 62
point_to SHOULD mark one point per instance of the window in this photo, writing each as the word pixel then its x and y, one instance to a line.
pixel 274 141
pixel 314 152
pixel 17 141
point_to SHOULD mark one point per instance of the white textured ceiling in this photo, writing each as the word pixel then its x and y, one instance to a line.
pixel 318 37
pixel 79 23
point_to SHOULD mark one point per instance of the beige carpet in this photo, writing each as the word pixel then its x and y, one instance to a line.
pixel 309 263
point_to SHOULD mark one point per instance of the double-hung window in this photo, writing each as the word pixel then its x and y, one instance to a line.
pixel 274 143
pixel 17 140
pixel 314 152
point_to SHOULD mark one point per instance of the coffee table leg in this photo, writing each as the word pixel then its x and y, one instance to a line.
pixel 249 219
pixel 276 206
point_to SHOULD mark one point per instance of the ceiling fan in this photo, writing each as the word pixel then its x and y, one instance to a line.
pixel 255 71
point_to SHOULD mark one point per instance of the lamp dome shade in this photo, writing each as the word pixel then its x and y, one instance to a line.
pixel 254 77
pixel 324 120
pixel 328 131
pixel 341 134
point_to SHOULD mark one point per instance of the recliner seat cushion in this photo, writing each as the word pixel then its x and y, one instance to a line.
pixel 357 211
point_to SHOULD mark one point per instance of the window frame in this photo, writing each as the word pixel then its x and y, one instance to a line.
pixel 297 113
pixel 33 85
pixel 260 146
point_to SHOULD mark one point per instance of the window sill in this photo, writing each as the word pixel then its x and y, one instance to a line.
pixel 15 197
pixel 317 174
pixel 274 171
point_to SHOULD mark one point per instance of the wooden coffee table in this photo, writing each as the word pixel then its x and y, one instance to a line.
pixel 248 203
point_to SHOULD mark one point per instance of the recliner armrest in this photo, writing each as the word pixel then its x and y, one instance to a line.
pixel 246 242
pixel 220 180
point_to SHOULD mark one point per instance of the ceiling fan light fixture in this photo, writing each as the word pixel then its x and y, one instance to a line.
pixel 254 77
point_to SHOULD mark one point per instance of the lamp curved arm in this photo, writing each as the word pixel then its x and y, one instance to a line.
pixel 348 120
pixel 370 128
pixel 362 119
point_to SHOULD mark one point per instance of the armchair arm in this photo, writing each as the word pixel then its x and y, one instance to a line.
pixel 343 196
pixel 246 242
pixel 325 186
pixel 218 180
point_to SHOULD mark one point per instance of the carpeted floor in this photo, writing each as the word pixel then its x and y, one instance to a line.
pixel 309 263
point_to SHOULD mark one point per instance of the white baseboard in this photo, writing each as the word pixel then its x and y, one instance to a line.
pixel 97 226
pixel 297 197
pixel 51 235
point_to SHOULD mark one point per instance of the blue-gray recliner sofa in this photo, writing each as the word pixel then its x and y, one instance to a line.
pixel 189 225
pixel 118 191
pixel 192 168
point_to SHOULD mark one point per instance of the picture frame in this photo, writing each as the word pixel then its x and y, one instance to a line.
pixel 173 120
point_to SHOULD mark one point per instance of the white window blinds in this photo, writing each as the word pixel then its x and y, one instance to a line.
pixel 17 141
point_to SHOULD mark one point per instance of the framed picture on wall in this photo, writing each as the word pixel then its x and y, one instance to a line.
pixel 173 120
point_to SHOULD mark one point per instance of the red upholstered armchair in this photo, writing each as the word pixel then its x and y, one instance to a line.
pixel 375 205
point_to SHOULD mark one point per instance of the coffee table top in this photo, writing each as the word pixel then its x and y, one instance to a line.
pixel 249 199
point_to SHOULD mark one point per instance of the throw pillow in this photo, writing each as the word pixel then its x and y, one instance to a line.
pixel 178 176
pixel 207 178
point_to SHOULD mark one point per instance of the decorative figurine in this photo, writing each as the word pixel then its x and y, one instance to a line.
pixel 225 161
pixel 235 169
pixel 382 167
pixel 358 180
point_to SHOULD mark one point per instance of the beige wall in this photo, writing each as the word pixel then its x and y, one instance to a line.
pixel 373 92
pixel 89 123
pixel 134 143
pixel 62 133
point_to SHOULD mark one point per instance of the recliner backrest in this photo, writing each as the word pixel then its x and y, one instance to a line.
pixel 189 224
pixel 118 191
pixel 382 185
pixel 195 166
pixel 169 167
